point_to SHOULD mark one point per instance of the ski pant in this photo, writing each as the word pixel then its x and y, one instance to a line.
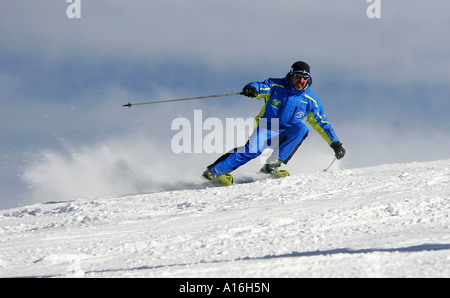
pixel 284 141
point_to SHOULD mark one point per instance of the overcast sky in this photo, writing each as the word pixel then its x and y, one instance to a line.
pixel 384 84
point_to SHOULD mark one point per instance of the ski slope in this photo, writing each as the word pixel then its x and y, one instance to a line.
pixel 384 221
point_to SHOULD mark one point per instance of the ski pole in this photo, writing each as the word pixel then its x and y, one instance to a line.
pixel 330 165
pixel 180 99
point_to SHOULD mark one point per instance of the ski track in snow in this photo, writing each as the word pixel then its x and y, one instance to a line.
pixel 385 221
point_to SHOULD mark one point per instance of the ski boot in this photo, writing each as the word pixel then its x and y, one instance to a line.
pixel 208 175
pixel 222 180
pixel 271 167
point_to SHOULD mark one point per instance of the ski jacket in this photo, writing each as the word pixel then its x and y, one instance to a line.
pixel 290 106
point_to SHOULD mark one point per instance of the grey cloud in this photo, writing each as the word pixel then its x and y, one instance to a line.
pixel 236 32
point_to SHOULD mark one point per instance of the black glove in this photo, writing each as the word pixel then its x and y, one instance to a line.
pixel 250 91
pixel 339 151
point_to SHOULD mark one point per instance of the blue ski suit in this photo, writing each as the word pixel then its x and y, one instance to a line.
pixel 279 124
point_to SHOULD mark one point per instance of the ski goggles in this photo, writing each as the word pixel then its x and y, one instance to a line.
pixel 305 76
pixel 300 74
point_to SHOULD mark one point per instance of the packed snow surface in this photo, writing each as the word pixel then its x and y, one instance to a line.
pixel 384 221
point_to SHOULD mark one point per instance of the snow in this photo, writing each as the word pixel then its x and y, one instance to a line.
pixel 385 221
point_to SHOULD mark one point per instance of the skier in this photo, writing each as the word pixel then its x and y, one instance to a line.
pixel 287 100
